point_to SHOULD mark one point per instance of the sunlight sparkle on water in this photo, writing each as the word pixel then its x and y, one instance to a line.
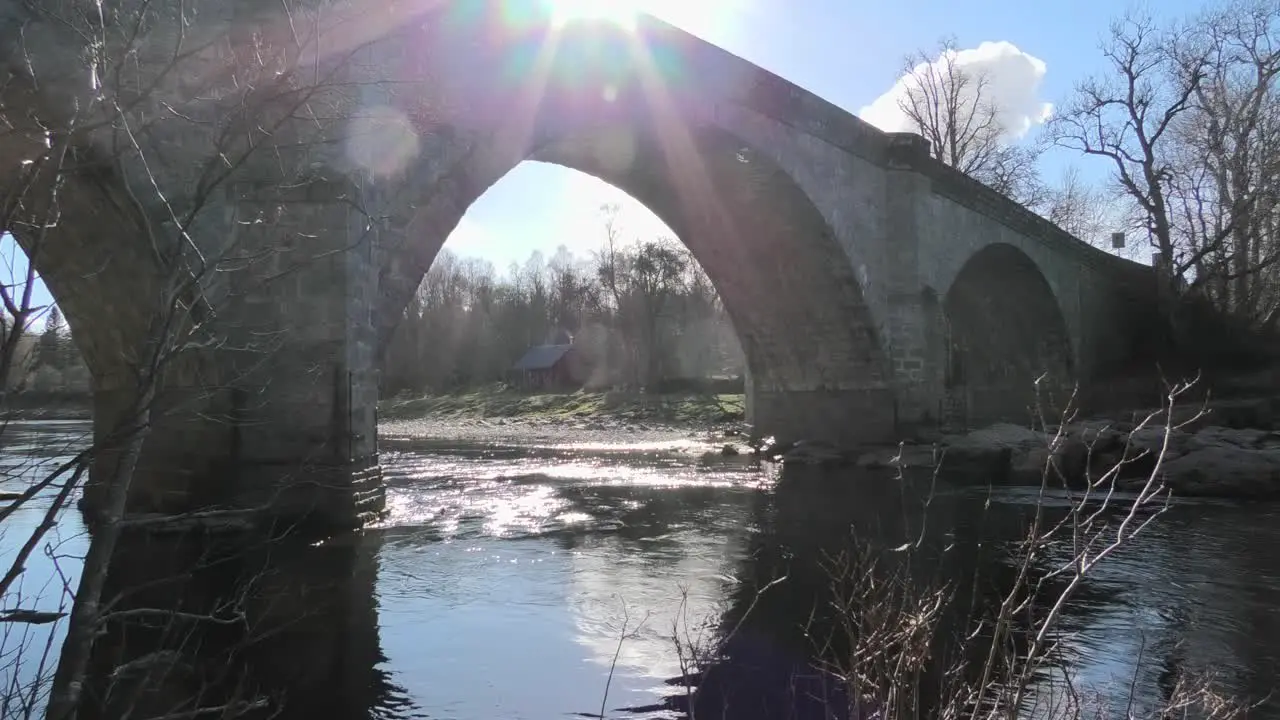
pixel 506 497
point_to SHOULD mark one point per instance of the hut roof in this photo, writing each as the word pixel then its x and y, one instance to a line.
pixel 542 357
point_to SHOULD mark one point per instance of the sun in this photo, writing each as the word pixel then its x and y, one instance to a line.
pixel 701 17
pixel 621 12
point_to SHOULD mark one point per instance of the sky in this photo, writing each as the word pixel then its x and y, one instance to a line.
pixel 849 52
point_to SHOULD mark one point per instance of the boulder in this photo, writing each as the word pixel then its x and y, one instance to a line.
pixel 1224 471
pixel 1136 455
pixel 904 456
pixel 808 452
pixel 999 437
pixel 1217 436
pixel 1151 438
pixel 1097 436
pixel 1008 453
pixel 1240 414
pixel 990 454
pixel 1234 413
pixel 1069 458
pixel 769 447
pixel 966 464
pixel 1089 448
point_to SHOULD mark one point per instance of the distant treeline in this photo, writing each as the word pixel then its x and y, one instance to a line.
pixel 644 316
pixel 46 363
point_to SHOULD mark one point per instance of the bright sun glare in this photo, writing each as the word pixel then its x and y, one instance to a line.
pixel 688 14
pixel 622 12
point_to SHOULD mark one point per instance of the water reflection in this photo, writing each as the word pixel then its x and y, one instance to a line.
pixel 530 567
pixel 522 582
pixel 28 451
pixel 1196 595
pixel 263 626
pixel 195 624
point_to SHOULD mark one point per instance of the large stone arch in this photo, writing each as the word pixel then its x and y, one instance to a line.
pixel 630 109
pixel 772 256
pixel 1004 329
pixel 787 285
pixel 785 281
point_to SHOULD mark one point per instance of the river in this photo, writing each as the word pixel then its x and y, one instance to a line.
pixel 549 579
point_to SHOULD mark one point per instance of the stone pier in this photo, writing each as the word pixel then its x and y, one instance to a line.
pixel 275 412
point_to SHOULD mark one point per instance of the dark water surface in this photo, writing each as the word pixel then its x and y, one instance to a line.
pixel 521 582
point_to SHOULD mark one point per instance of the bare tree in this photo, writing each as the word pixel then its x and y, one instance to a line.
pixel 1086 211
pixel 571 290
pixel 609 257
pixel 1128 117
pixel 16 319
pixel 1187 117
pixel 1001 660
pixel 657 271
pixel 1230 143
pixel 953 108
pixel 234 98
pixel 610 267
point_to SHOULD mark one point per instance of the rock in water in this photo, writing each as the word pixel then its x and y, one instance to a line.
pixel 807 452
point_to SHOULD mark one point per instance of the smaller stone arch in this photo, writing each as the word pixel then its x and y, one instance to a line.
pixel 1007 349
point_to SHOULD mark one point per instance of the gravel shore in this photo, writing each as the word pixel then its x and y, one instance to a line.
pixel 545 432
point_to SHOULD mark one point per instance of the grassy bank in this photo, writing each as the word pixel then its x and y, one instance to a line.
pixel 46 406
pixel 499 401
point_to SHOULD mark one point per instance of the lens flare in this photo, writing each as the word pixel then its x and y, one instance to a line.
pixel 620 12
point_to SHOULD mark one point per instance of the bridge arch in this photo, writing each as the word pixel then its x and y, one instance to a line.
pixel 1004 329
pixel 106 291
pixel 662 117
pixel 782 275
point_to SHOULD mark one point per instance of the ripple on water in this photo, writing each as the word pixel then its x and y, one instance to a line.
pixel 525 573
pixel 503 494
pixel 507 575
pixel 1182 598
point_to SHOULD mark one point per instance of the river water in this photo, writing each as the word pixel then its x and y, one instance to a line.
pixel 520 581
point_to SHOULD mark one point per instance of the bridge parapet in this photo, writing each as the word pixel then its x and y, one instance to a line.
pixel 910 150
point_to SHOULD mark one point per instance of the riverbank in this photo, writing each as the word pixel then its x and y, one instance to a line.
pixel 47 406
pixel 500 406
pixel 1226 449
pixel 500 416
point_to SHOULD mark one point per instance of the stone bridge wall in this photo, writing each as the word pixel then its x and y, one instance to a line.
pixel 833 245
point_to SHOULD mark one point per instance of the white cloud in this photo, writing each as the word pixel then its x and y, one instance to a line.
pixel 1013 76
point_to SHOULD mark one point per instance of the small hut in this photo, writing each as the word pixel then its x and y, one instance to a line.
pixel 555 365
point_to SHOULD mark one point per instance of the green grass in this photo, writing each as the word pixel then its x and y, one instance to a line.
pixel 500 401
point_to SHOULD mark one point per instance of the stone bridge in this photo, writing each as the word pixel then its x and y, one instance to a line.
pixel 268 183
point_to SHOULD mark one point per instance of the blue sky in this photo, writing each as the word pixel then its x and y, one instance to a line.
pixel 848 51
